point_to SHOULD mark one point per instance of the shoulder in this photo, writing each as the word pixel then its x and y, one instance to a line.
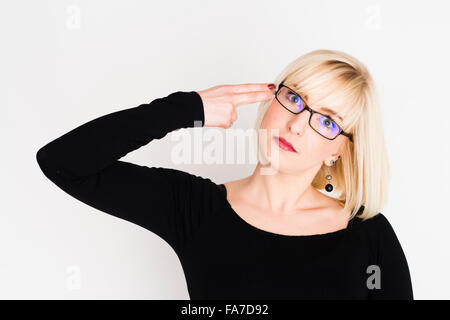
pixel 378 228
pixel 378 222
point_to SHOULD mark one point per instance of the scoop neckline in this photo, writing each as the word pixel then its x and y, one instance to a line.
pixel 246 224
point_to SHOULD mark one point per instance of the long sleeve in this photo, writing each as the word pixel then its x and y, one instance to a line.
pixel 395 275
pixel 84 163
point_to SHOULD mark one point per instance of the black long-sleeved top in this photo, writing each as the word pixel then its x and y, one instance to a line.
pixel 222 255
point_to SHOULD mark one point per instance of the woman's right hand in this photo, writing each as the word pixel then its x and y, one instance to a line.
pixel 220 102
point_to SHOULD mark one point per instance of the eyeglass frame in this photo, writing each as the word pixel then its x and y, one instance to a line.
pixel 311 111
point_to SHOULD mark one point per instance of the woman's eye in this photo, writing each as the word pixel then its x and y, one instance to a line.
pixel 295 98
pixel 328 122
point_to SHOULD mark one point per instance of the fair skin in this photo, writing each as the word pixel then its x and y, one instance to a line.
pixel 283 202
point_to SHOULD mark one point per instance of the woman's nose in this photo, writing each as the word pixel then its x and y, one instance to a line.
pixel 299 122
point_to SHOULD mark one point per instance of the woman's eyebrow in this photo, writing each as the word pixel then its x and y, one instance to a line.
pixel 329 111
pixel 332 112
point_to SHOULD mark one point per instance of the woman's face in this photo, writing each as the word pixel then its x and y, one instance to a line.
pixel 311 148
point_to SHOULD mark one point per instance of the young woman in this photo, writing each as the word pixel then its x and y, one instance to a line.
pixel 272 235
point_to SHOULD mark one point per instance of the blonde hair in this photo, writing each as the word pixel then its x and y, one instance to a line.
pixel 362 174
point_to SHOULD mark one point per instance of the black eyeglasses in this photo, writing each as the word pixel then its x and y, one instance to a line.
pixel 321 123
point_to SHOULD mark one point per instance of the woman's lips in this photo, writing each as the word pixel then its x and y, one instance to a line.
pixel 283 144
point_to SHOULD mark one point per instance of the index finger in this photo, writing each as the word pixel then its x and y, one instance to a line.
pixel 250 87
pixel 240 99
pixel 250 93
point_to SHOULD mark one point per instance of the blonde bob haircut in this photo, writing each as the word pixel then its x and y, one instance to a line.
pixel 361 177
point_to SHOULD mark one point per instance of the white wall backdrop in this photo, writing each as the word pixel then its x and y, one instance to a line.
pixel 64 63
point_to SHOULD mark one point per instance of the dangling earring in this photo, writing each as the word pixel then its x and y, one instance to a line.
pixel 329 186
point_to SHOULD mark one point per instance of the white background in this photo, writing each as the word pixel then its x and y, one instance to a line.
pixel 64 63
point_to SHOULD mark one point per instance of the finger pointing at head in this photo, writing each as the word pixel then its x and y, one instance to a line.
pixel 251 93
